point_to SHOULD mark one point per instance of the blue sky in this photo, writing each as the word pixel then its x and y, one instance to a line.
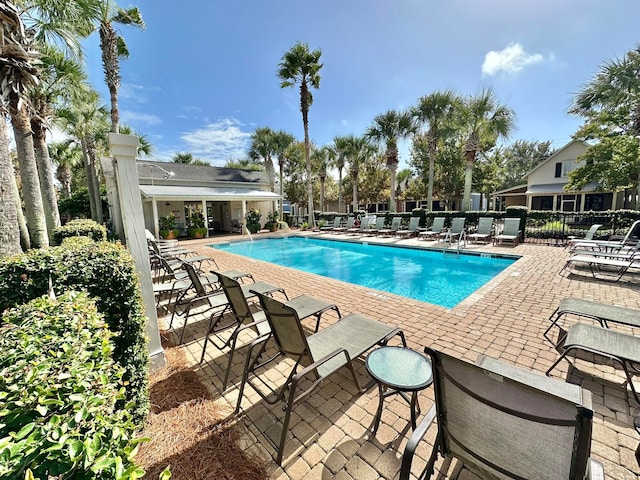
pixel 202 76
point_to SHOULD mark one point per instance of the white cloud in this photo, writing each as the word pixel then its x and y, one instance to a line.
pixel 510 60
pixel 217 141
pixel 129 117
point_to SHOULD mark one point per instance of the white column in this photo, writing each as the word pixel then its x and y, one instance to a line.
pixel 156 224
pixel 244 215
pixel 123 149
pixel 206 217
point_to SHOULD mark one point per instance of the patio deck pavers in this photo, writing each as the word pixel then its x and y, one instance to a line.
pixel 505 319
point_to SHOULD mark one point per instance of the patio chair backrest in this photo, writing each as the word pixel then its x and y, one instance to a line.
pixel 511 226
pixel 350 221
pixel 414 223
pixel 379 222
pixel 457 226
pixel 592 231
pixel 510 423
pixel 195 279
pixel 235 297
pixel 336 222
pixel 485 225
pixel 287 330
pixel 438 224
pixel 395 223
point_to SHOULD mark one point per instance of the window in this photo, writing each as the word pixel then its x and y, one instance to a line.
pixel 567 167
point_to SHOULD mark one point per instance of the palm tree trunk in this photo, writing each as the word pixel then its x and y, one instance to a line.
pixel 92 154
pixel 34 209
pixel 45 172
pixel 109 48
pixel 432 167
pixel 340 199
pixel 468 181
pixel 9 241
pixel 307 153
pixel 392 197
pixel 354 177
pixel 322 181
pixel 270 171
pixel 281 173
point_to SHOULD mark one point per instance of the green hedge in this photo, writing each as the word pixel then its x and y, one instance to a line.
pixel 107 273
pixel 80 228
pixel 59 386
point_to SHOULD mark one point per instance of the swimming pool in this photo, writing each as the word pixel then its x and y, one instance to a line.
pixel 428 276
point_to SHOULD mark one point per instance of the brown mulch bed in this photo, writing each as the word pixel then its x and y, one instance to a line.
pixel 188 430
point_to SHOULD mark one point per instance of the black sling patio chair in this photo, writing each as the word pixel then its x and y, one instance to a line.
pixel 503 422
pixel 315 357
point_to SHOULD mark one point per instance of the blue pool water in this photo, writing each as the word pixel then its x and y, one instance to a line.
pixel 428 276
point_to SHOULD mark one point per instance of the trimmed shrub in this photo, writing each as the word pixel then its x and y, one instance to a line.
pixel 107 273
pixel 59 388
pixel 80 228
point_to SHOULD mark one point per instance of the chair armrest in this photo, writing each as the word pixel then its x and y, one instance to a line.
pixel 416 437
pixel 595 470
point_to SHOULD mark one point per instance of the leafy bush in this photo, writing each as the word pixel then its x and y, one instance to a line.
pixel 107 273
pixel 80 228
pixel 59 388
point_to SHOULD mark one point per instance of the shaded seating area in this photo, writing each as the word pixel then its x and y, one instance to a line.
pixel 314 357
pixel 510 233
pixel 622 348
pixel 434 232
pixel 503 422
pixel 484 231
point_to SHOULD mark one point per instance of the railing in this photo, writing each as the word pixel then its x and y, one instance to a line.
pixel 248 232
pixel 559 226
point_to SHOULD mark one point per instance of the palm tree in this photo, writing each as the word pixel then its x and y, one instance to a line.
pixel 319 160
pixel 18 73
pixel 86 120
pixel 9 226
pixel 66 155
pixel 114 48
pixel 336 151
pixel 281 142
pixel 356 150
pixel 300 66
pixel 389 127
pixel 58 76
pixel 436 110
pixel 144 145
pixel 485 121
pixel 263 146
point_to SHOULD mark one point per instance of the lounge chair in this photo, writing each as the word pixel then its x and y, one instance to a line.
pixel 610 245
pixel 373 230
pixel 620 347
pixel 362 227
pixel 395 226
pixel 237 296
pixel 456 232
pixel 349 224
pixel 588 236
pixel 215 302
pixel 315 357
pixel 602 313
pixel 503 422
pixel 329 228
pixel 510 232
pixel 436 229
pixel 599 264
pixel 484 231
pixel 411 230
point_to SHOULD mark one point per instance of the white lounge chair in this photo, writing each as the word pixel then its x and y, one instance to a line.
pixel 599 264
pixel 436 229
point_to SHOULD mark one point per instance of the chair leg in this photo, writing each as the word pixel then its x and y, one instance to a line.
pixel 553 323
pixel 248 366
pixel 287 418
pixel 564 354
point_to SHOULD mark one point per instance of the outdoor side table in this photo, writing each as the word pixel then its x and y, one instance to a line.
pixel 399 370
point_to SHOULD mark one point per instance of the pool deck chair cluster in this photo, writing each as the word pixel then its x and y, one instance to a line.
pixel 314 357
pixel 503 422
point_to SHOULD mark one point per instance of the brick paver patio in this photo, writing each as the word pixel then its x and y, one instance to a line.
pixel 330 431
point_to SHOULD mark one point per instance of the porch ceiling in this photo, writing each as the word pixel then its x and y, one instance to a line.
pixel 180 193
